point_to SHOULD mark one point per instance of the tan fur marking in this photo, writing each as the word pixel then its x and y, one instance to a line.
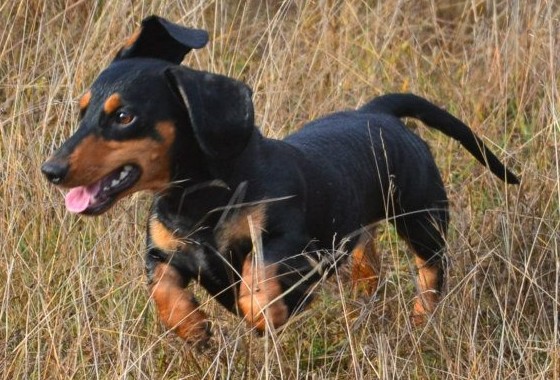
pixel 162 237
pixel 112 103
pixel 366 266
pixel 132 39
pixel 84 100
pixel 237 226
pixel 258 289
pixel 428 295
pixel 176 306
pixel 96 157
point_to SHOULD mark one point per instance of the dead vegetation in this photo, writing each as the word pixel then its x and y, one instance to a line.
pixel 74 301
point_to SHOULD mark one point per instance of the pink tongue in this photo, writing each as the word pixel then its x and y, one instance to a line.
pixel 79 198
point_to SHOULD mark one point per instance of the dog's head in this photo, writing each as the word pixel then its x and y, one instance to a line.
pixel 133 114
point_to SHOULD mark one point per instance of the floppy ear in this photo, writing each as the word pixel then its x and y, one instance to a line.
pixel 220 110
pixel 161 39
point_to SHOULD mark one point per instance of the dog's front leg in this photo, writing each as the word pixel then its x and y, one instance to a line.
pixel 275 285
pixel 176 306
pixel 260 295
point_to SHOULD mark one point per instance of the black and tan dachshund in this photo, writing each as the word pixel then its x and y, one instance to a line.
pixel 257 221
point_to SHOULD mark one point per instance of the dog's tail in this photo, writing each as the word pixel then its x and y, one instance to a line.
pixel 409 105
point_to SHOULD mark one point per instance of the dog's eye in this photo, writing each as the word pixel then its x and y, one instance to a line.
pixel 124 118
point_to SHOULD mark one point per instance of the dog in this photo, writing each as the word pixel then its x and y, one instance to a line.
pixel 257 221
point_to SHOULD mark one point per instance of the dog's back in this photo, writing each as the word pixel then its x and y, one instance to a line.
pixel 368 162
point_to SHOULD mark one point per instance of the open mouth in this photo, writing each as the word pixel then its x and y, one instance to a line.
pixel 99 196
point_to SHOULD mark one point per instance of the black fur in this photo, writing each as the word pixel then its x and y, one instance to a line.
pixel 319 187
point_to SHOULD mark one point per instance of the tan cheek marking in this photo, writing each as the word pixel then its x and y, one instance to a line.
pixel 237 227
pixel 96 157
pixel 365 267
pixel 162 237
pixel 84 100
pixel 259 287
pixel 428 292
pixel 176 307
pixel 112 103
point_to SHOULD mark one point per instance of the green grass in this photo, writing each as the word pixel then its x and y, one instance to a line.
pixel 74 303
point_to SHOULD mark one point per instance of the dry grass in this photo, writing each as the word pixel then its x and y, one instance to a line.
pixel 73 297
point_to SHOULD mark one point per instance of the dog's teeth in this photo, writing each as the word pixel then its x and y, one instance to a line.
pixel 115 182
pixel 106 188
pixel 127 168
pixel 123 175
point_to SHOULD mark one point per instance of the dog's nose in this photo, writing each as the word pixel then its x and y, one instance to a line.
pixel 55 171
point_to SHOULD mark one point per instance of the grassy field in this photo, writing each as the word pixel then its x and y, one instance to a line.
pixel 73 294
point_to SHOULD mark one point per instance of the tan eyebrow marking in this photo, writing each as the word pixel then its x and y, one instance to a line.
pixel 84 100
pixel 112 103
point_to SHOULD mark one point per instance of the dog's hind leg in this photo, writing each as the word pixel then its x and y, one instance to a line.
pixel 365 264
pixel 424 232
pixel 430 281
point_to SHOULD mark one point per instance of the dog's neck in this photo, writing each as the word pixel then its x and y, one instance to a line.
pixel 196 196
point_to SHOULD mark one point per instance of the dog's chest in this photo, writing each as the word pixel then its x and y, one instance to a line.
pixel 207 247
pixel 213 255
pixel 235 232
